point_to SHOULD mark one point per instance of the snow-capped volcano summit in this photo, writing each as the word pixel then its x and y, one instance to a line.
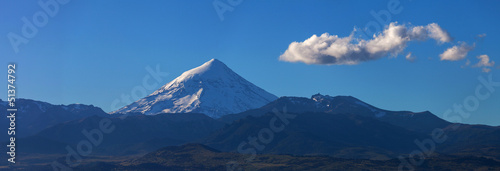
pixel 212 88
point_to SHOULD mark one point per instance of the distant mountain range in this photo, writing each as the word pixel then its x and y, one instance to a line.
pixel 423 122
pixel 224 114
pixel 356 131
pixel 347 127
pixel 34 116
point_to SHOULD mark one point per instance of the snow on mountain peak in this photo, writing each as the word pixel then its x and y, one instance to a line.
pixel 327 100
pixel 212 68
pixel 212 88
pixel 319 97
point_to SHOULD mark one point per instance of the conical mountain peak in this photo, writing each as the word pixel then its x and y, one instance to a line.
pixel 212 88
pixel 212 64
pixel 214 61
pixel 210 69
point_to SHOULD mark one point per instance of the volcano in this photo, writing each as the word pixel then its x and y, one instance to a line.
pixel 212 89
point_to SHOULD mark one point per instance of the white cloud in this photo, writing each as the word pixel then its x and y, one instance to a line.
pixel 334 50
pixel 481 35
pixel 484 61
pixel 437 33
pixel 456 53
pixel 467 63
pixel 486 70
pixel 410 57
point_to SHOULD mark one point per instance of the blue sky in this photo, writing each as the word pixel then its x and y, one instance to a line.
pixel 92 52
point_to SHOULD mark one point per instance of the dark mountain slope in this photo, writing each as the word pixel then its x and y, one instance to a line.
pixel 340 135
pixel 423 122
pixel 33 116
pixel 136 134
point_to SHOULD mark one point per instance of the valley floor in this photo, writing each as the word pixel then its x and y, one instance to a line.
pixel 200 157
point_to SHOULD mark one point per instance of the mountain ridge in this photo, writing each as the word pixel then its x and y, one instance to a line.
pixel 423 122
pixel 33 116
